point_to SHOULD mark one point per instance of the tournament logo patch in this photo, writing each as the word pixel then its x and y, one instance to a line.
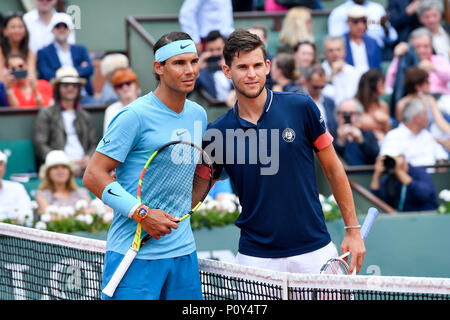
pixel 288 135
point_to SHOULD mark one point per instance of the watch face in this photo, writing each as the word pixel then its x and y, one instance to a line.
pixel 142 212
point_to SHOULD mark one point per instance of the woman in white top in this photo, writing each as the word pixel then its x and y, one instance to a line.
pixel 126 86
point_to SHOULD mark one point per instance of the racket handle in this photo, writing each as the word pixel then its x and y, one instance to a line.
pixel 368 222
pixel 119 273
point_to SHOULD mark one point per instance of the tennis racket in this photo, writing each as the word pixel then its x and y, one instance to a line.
pixel 176 178
pixel 339 265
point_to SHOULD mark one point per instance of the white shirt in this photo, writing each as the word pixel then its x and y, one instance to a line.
pixel 419 150
pixel 337 22
pixel 441 43
pixel 344 84
pixel 222 85
pixel 198 17
pixel 110 113
pixel 73 148
pixel 15 202
pixel 40 34
pixel 359 55
pixel 64 56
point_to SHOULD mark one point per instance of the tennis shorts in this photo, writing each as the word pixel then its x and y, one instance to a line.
pixel 164 279
pixel 310 262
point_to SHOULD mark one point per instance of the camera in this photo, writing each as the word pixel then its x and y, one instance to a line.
pixel 19 74
pixel 389 164
pixel 213 63
pixel 347 117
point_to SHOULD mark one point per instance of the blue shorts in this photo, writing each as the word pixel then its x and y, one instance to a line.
pixel 164 279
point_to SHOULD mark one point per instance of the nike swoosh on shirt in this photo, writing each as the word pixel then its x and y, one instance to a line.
pixel 180 133
pixel 110 192
pixel 182 47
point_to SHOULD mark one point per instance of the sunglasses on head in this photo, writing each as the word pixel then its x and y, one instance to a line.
pixel 122 84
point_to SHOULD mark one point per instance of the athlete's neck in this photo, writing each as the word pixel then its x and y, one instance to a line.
pixel 171 99
pixel 250 109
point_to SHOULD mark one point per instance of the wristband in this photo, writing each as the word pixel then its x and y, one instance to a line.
pixel 116 197
pixel 352 227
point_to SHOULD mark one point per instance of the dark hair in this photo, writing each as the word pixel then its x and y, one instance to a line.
pixel 367 86
pixel 241 41
pixel 213 36
pixel 57 94
pixel 286 63
pixel 414 76
pixel 23 46
pixel 168 38
pixel 261 27
pixel 15 55
pixel 312 70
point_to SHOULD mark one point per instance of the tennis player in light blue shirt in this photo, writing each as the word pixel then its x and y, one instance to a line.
pixel 166 267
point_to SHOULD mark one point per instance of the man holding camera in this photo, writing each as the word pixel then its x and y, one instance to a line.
pixel 353 145
pixel 403 186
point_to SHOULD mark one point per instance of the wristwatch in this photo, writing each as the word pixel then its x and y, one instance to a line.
pixel 141 214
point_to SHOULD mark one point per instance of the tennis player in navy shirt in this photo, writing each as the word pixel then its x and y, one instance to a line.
pixel 266 145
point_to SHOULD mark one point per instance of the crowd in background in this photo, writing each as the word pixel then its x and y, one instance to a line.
pixel 381 82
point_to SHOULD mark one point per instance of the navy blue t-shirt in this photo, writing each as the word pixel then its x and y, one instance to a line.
pixel 271 165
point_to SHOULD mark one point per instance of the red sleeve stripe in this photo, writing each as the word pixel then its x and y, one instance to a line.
pixel 323 140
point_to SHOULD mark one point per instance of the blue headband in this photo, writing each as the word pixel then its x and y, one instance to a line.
pixel 175 48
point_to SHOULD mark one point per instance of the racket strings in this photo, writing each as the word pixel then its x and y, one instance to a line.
pixel 335 266
pixel 170 183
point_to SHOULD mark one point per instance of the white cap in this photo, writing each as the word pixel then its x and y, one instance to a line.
pixel 357 11
pixel 53 158
pixel 3 157
pixel 61 17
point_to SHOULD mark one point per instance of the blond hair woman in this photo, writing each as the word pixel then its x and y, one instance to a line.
pixel 297 26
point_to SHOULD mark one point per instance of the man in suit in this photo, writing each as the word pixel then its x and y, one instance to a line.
pixel 363 51
pixel 60 54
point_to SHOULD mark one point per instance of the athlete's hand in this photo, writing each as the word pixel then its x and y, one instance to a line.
pixel 354 243
pixel 158 223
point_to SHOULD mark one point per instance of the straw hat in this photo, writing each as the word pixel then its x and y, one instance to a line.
pixel 68 74
pixel 357 11
pixel 53 158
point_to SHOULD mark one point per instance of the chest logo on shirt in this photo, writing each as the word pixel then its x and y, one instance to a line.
pixel 288 135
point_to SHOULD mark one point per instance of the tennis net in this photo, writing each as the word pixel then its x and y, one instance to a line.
pixel 36 264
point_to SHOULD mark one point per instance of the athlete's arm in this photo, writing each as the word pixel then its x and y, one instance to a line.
pixel 97 177
pixel 337 178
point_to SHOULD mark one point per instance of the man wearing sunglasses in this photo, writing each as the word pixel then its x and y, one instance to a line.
pixel 66 126
pixel 61 53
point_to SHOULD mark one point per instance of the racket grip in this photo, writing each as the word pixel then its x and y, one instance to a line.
pixel 368 222
pixel 119 273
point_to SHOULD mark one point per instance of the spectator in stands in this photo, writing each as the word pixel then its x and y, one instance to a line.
pixel 412 138
pixel 23 91
pixel 315 80
pixel 211 78
pixel 61 53
pixel 65 125
pixel 58 187
pixel 402 185
pixel 199 17
pixel 305 56
pixel 14 39
pixel 109 64
pixel 342 78
pixel 430 15
pixel 376 111
pixel 221 189
pixel 284 73
pixel 297 26
pixel 378 26
pixel 126 85
pixel 363 51
pixel 39 22
pixel 403 17
pixel 419 53
pixel 15 202
pixel 356 146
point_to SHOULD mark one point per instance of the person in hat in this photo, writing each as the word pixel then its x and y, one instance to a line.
pixel 126 86
pixel 58 186
pixel 15 203
pixel 65 125
pixel 363 51
pixel 165 268
pixel 61 53
pixel 23 91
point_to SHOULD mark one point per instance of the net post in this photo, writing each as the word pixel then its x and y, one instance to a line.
pixel 285 287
